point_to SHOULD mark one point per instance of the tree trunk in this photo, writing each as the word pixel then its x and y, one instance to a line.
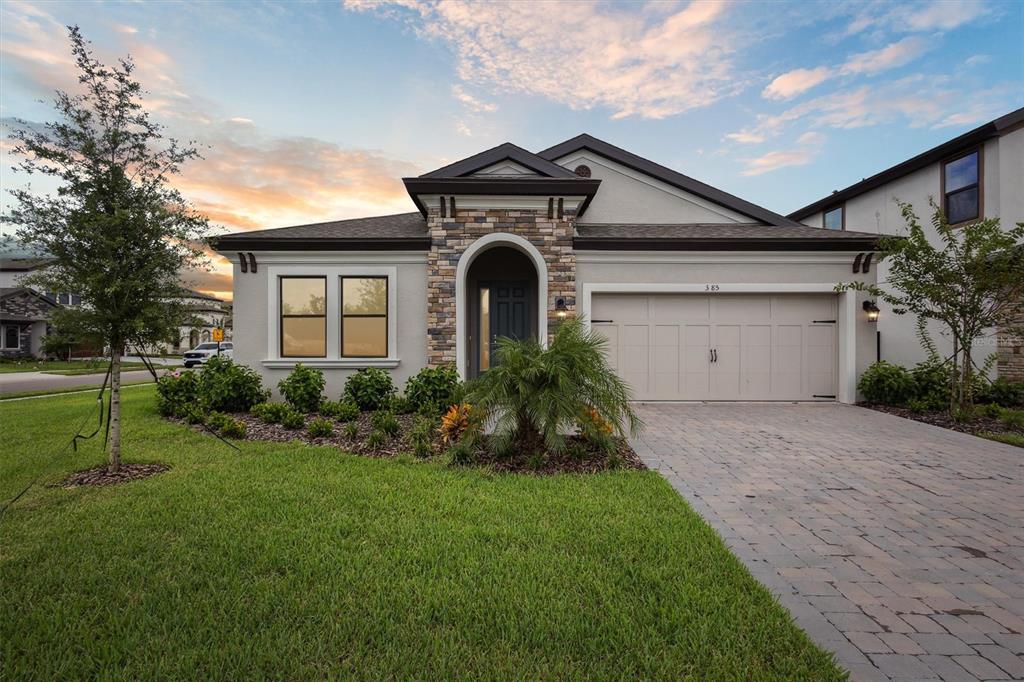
pixel 115 410
pixel 966 399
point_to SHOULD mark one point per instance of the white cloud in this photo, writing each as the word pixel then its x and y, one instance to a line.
pixel 938 15
pixel 123 28
pixel 889 57
pixel 794 82
pixel 240 120
pixel 463 129
pixel 472 103
pixel 653 64
pixel 745 137
pixel 807 147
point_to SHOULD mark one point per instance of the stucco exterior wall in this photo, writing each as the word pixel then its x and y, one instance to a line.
pixel 253 339
pixel 877 211
pixel 627 196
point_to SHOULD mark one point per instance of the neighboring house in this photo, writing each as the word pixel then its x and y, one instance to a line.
pixel 23 316
pixel 979 174
pixel 702 295
pixel 205 313
pixel 23 311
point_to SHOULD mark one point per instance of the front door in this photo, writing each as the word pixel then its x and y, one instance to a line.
pixel 504 311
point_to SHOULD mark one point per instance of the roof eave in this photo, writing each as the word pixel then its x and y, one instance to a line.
pixel 530 186
pixel 724 244
pixel 306 244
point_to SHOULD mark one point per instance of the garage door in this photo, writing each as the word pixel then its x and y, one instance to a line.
pixel 721 347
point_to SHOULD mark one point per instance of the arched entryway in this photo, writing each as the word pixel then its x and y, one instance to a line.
pixel 501 290
pixel 193 338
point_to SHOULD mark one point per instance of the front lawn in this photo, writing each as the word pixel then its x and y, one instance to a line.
pixel 72 367
pixel 291 561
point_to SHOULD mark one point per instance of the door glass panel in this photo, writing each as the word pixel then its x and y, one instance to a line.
pixel 485 328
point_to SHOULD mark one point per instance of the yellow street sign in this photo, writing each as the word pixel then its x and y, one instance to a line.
pixel 218 334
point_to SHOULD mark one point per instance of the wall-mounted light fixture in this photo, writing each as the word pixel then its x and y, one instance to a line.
pixel 872 310
pixel 560 310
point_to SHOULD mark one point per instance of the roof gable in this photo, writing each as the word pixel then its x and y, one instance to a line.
pixel 503 152
pixel 664 174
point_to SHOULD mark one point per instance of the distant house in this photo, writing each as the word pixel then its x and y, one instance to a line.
pixel 979 174
pixel 23 311
pixel 206 313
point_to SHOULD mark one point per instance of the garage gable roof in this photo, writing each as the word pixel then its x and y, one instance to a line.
pixel 503 152
pixel 666 175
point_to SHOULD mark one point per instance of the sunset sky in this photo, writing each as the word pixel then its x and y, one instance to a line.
pixel 314 111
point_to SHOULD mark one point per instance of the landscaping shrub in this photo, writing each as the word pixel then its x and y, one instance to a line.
pixel 932 384
pixel 233 428
pixel 991 410
pixel 455 422
pixel 270 413
pixel 577 451
pixel 293 419
pixel 228 387
pixel 421 437
pixel 176 392
pixel 434 389
pixel 401 405
pixel 376 439
pixel 595 430
pixel 320 428
pixel 385 420
pixel 342 410
pixel 370 389
pixel 886 384
pixel 1013 418
pixel 218 420
pixel 352 430
pixel 303 388
pixel 1004 393
pixel 463 451
pixel 536 394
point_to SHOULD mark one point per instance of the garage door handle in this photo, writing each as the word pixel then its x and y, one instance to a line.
pixel 599 321
pixel 714 355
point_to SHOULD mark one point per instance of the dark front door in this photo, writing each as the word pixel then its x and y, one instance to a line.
pixel 504 311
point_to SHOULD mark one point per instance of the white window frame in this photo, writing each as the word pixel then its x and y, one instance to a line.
pixel 3 337
pixel 333 273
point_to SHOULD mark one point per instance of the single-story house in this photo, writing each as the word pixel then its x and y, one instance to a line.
pixel 978 174
pixel 702 295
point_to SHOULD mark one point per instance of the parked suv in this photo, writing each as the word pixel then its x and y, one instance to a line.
pixel 207 350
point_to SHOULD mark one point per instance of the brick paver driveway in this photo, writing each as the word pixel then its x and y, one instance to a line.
pixel 897 545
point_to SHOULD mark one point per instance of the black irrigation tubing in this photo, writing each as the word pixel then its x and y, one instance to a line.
pixel 73 443
pixel 152 370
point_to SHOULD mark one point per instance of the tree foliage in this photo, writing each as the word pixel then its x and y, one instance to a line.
pixel 971 281
pixel 118 233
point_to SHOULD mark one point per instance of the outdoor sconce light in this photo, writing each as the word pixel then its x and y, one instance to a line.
pixel 872 310
pixel 560 308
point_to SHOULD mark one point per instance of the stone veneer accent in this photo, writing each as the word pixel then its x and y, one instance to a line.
pixel 1011 352
pixel 451 236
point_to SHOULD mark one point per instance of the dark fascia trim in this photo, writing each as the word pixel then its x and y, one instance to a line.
pixel 498 154
pixel 972 138
pixel 730 244
pixel 278 244
pixel 573 186
pixel 666 175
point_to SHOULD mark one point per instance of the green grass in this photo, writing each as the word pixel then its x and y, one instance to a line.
pixel 13 395
pixel 1008 438
pixel 73 367
pixel 287 561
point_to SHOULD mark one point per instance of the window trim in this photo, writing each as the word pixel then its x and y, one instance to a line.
pixel 980 184
pixel 356 265
pixel 342 315
pixel 842 216
pixel 3 336
pixel 281 315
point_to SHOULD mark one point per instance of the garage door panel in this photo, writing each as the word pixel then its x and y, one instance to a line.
pixel 768 347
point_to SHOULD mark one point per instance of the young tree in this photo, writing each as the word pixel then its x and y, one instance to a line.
pixel 972 282
pixel 118 233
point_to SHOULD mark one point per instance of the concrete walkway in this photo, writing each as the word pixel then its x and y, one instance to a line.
pixel 897 545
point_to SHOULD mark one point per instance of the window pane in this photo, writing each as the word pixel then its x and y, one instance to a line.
pixel 961 173
pixel 962 205
pixel 364 295
pixel 303 296
pixel 834 219
pixel 304 337
pixel 10 337
pixel 365 337
pixel 485 328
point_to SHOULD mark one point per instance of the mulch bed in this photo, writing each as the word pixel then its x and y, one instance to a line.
pixel 623 458
pixel 980 423
pixel 101 476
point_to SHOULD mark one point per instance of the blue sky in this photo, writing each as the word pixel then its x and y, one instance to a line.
pixel 313 111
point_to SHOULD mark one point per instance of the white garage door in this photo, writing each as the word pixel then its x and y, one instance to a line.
pixel 721 347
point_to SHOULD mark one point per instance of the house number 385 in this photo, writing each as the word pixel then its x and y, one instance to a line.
pixel 711 287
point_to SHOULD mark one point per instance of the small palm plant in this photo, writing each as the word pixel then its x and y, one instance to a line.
pixel 535 395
